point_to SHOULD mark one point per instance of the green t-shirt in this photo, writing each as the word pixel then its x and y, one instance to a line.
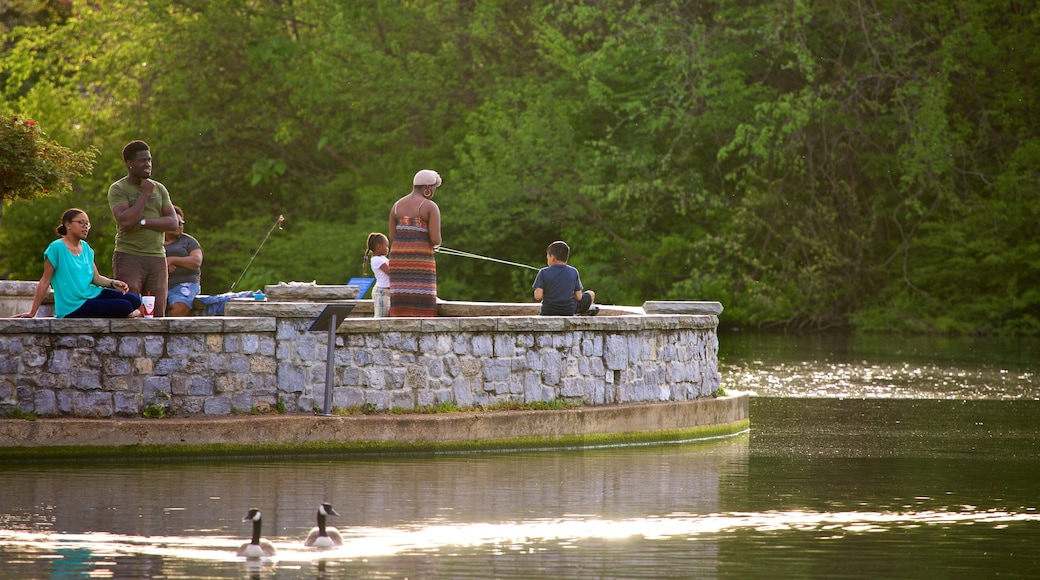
pixel 143 242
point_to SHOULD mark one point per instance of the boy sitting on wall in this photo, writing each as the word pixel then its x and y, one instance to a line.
pixel 558 286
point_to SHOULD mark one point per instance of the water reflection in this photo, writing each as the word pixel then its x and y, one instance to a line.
pixel 497 503
pixel 837 477
pixel 874 366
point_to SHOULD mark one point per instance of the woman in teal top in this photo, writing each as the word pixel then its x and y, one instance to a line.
pixel 79 290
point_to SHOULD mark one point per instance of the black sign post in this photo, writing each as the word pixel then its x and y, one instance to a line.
pixel 329 319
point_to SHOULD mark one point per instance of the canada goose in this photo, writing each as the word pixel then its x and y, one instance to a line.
pixel 257 548
pixel 324 536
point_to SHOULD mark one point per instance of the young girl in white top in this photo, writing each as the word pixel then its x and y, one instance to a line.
pixel 378 246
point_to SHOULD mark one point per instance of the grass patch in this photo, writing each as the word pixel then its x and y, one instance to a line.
pixel 20 414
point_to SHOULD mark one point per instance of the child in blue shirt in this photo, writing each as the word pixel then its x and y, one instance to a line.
pixel 558 286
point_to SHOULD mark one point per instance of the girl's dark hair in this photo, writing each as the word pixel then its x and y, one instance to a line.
pixel 67 217
pixel 373 239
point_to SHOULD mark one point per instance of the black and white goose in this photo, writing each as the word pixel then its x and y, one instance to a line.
pixel 257 548
pixel 324 536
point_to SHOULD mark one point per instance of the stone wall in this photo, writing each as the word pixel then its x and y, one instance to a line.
pixel 233 364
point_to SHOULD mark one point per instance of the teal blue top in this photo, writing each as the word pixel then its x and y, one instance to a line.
pixel 73 276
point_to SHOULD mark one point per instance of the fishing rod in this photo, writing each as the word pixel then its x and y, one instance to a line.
pixel 461 254
pixel 277 224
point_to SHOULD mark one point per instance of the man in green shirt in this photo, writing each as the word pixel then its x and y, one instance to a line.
pixel 143 211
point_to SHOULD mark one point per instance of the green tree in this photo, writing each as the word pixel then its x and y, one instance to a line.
pixel 33 165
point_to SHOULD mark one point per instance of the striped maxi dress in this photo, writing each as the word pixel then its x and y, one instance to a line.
pixel 413 270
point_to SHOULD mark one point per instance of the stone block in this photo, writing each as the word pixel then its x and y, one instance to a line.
pixel 381 399
pixel 462 389
pixel 179 345
pixel 563 340
pixel 85 358
pixel 460 343
pixel 8 393
pixel 45 402
pixel 504 345
pixel 34 357
pixel 241 364
pixel 217 406
pixel 482 346
pixel 470 367
pixel 496 370
pixel 76 326
pixel 85 379
pixel 64 398
pixel 60 362
pixel 136 325
pixel 96 404
pixel 451 365
pixel 216 364
pixel 428 344
pixel 352 376
pixel 477 324
pixel 127 404
pixel 416 378
pixel 25 325
pixel 242 402
pixel 154 346
pixel 682 307
pixel 116 366
pixel 402 400
pixel 615 352
pixel 248 343
pixel 436 368
pixel 232 343
pixel 552 367
pixel 533 360
pixel 193 324
pixel 382 356
pixel 187 406
pixel 200 386
pixel 267 345
pixel 363 358
pixel 106 345
pixel 310 348
pixel 166 366
pixel 439 325
pixel 516 385
pixel 409 343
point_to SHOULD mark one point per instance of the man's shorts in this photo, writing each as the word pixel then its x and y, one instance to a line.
pixel 184 293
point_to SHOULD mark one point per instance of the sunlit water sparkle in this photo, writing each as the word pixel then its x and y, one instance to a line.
pixel 360 543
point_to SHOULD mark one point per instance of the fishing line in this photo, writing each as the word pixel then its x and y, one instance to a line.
pixel 461 254
pixel 277 224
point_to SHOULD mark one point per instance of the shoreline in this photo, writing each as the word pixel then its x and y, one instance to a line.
pixel 73 439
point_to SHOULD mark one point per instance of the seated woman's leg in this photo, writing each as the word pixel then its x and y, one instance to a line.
pixel 108 304
pixel 181 298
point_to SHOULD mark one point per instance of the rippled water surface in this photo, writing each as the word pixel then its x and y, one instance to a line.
pixel 866 458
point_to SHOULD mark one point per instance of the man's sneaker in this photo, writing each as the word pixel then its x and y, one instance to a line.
pixel 593 311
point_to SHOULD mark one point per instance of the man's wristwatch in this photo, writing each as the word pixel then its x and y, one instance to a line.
pixel 144 221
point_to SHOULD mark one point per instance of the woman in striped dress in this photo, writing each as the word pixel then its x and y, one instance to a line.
pixel 415 234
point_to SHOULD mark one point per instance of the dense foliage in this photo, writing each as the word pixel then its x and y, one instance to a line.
pixel 810 165
pixel 31 164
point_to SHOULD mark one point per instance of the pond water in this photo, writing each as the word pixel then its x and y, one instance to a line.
pixel 867 457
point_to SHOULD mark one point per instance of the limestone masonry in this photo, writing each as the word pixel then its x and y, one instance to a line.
pixel 223 365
